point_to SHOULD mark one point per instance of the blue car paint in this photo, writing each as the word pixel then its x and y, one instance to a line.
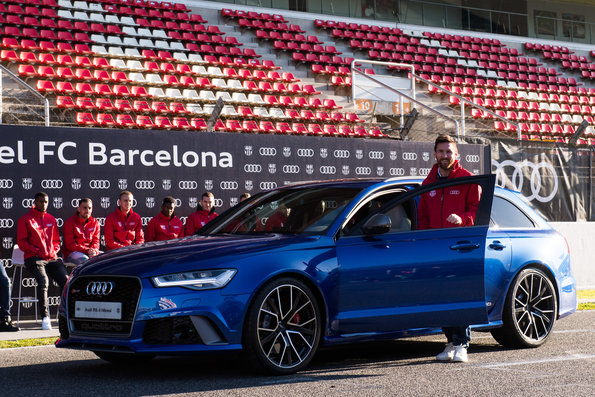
pixel 260 258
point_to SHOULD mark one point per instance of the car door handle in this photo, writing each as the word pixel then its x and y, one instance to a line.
pixel 464 246
pixel 497 245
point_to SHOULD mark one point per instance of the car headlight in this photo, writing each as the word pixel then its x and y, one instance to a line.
pixel 197 280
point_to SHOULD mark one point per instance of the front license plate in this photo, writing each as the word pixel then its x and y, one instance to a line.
pixel 105 310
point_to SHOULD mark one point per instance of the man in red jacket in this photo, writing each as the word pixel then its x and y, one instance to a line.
pixel 165 226
pixel 454 206
pixel 123 227
pixel 202 216
pixel 38 238
pixel 81 234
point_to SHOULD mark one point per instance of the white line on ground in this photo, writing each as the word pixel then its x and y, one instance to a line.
pixel 544 360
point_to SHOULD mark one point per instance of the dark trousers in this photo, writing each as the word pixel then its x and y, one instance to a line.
pixel 458 335
pixel 40 269
pixel 4 293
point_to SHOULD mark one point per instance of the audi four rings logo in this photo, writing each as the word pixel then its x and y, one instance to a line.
pixel 396 171
pixel 341 154
pixel 75 202
pixel 252 168
pixel 291 169
pixel 188 185
pixel 228 185
pixel 267 151
pixel 52 184
pixel 472 158
pixel 6 223
pixel 363 170
pixel 101 220
pixel 328 169
pixel 100 288
pixel 409 156
pixel 27 203
pixel 7 263
pixel 424 171
pixel 178 202
pixel 376 155
pixel 99 184
pixel 6 183
pixel 520 171
pixel 29 282
pixel 59 222
pixel 53 300
pixel 267 185
pixel 145 220
pixel 305 152
pixel 218 203
pixel 144 184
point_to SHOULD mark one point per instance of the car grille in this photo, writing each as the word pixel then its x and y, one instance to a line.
pixel 126 290
pixel 172 330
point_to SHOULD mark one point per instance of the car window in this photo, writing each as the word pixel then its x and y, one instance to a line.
pixel 371 206
pixel 507 215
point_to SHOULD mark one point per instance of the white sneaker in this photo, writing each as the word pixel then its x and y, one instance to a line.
pixel 46 324
pixel 460 355
pixel 447 354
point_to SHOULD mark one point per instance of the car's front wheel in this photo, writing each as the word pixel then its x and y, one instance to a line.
pixel 283 327
pixel 529 312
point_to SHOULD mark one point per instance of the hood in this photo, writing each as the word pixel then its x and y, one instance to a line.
pixel 188 253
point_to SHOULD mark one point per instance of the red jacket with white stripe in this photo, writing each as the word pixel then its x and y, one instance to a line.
pixel 80 235
pixel 37 235
pixel 162 227
pixel 122 230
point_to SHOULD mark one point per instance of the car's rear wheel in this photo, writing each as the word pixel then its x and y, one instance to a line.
pixel 529 312
pixel 124 358
pixel 283 327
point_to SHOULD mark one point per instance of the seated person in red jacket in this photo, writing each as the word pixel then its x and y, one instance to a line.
pixel 81 234
pixel 278 220
pixel 165 226
pixel 39 239
pixel 123 227
pixel 203 215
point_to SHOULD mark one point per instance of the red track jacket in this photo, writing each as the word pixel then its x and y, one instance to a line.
pixel 122 230
pixel 37 235
pixel 80 235
pixel 436 205
pixel 198 219
pixel 162 228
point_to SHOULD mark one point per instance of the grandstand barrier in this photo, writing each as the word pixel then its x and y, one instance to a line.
pixel 579 236
pixel 72 163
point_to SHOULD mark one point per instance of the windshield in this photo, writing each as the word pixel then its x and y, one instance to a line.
pixel 289 211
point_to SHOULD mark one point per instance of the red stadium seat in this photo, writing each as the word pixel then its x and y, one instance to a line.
pixel 85 119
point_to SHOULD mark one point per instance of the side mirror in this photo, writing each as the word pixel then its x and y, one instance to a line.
pixel 377 224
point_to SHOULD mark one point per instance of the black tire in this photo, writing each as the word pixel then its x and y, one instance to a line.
pixel 530 311
pixel 124 358
pixel 282 328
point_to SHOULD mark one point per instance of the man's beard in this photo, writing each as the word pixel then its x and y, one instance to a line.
pixel 445 164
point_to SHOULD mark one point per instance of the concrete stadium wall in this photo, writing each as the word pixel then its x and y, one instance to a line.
pixel 581 238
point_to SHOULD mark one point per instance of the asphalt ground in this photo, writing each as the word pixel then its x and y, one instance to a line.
pixel 564 366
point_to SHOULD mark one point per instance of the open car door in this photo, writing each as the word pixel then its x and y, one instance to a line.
pixel 395 276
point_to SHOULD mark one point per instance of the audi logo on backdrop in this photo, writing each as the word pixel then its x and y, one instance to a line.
pixel 145 220
pixel 396 171
pixel 188 185
pixel 328 169
pixel 6 183
pixel 53 300
pixel 228 185
pixel 6 223
pixel 409 156
pixel 267 185
pixel 99 288
pixel 144 184
pixel 291 169
pixel 252 168
pixel 101 220
pixel 29 282
pixel 363 170
pixel 27 203
pixel 305 152
pixel 178 202
pixel 75 202
pixel 99 184
pixel 52 184
pixel 424 171
pixel 341 154
pixel 517 177
pixel 472 158
pixel 376 155
pixel 218 203
pixel 7 263
pixel 59 222
pixel 267 151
